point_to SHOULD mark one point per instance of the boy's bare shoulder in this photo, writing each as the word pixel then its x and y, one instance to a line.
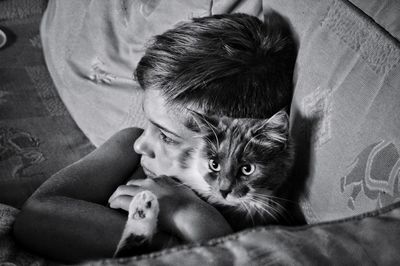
pixel 129 132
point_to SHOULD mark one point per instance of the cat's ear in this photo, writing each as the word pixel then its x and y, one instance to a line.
pixel 279 121
pixel 275 130
pixel 201 123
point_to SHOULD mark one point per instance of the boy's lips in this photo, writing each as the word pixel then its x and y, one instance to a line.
pixel 148 172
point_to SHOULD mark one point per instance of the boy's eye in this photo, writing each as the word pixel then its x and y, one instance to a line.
pixel 248 169
pixel 166 139
pixel 214 165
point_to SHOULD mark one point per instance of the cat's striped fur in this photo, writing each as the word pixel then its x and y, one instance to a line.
pixel 240 166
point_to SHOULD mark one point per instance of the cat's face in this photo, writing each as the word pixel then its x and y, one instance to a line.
pixel 241 162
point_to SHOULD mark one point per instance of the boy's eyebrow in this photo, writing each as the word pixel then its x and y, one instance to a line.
pixel 164 129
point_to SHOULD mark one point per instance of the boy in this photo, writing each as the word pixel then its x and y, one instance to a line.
pixel 232 65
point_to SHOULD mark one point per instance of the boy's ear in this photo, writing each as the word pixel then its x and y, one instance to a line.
pixel 275 129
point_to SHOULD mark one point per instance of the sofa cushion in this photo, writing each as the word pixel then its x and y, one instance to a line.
pixel 384 12
pixel 368 239
pixel 345 109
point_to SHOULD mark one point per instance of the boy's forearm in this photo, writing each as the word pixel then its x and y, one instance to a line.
pixel 84 230
pixel 65 218
pixel 201 222
pixel 69 229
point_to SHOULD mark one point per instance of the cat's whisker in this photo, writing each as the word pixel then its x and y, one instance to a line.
pixel 247 209
pixel 267 208
pixel 278 208
pixel 209 141
pixel 261 207
pixel 274 197
pixel 258 203
pixel 212 129
pixel 198 136
pixel 195 120
pixel 270 200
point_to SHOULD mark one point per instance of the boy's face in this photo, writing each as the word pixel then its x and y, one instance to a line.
pixel 165 137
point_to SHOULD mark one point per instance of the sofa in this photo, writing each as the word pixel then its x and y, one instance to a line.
pixel 69 88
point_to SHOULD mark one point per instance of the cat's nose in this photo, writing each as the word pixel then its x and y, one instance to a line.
pixel 225 193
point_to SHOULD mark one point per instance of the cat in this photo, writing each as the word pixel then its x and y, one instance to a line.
pixel 240 166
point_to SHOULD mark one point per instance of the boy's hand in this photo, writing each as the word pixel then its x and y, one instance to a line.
pixel 173 197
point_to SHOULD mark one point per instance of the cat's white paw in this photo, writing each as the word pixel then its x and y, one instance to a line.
pixel 141 224
pixel 143 213
pixel 143 206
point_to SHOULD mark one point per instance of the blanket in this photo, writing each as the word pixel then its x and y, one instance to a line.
pixel 10 252
pixel 368 239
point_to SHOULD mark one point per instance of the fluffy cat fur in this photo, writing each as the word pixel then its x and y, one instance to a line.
pixel 240 166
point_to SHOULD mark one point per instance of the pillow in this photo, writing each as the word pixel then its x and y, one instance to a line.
pixel 92 48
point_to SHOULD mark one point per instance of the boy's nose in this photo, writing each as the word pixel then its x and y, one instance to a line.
pixel 143 147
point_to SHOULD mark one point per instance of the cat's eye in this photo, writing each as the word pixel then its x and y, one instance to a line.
pixel 248 169
pixel 214 165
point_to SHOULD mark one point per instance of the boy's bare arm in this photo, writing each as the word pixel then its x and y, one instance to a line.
pixel 198 222
pixel 95 177
pixel 72 230
pixel 66 217
pixel 182 212
pixel 68 229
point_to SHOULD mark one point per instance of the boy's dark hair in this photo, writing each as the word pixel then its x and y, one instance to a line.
pixel 233 65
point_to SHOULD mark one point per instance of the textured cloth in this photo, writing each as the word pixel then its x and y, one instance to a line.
pixel 368 239
pixel 10 252
pixel 38 137
pixel 345 108
pixel 385 12
pixel 92 48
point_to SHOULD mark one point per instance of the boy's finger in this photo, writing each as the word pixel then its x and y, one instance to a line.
pixel 140 182
pixel 166 180
pixel 121 202
pixel 130 190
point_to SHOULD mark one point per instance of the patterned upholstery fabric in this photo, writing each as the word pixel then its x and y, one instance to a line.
pixel 384 12
pixel 345 107
pixel 37 135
